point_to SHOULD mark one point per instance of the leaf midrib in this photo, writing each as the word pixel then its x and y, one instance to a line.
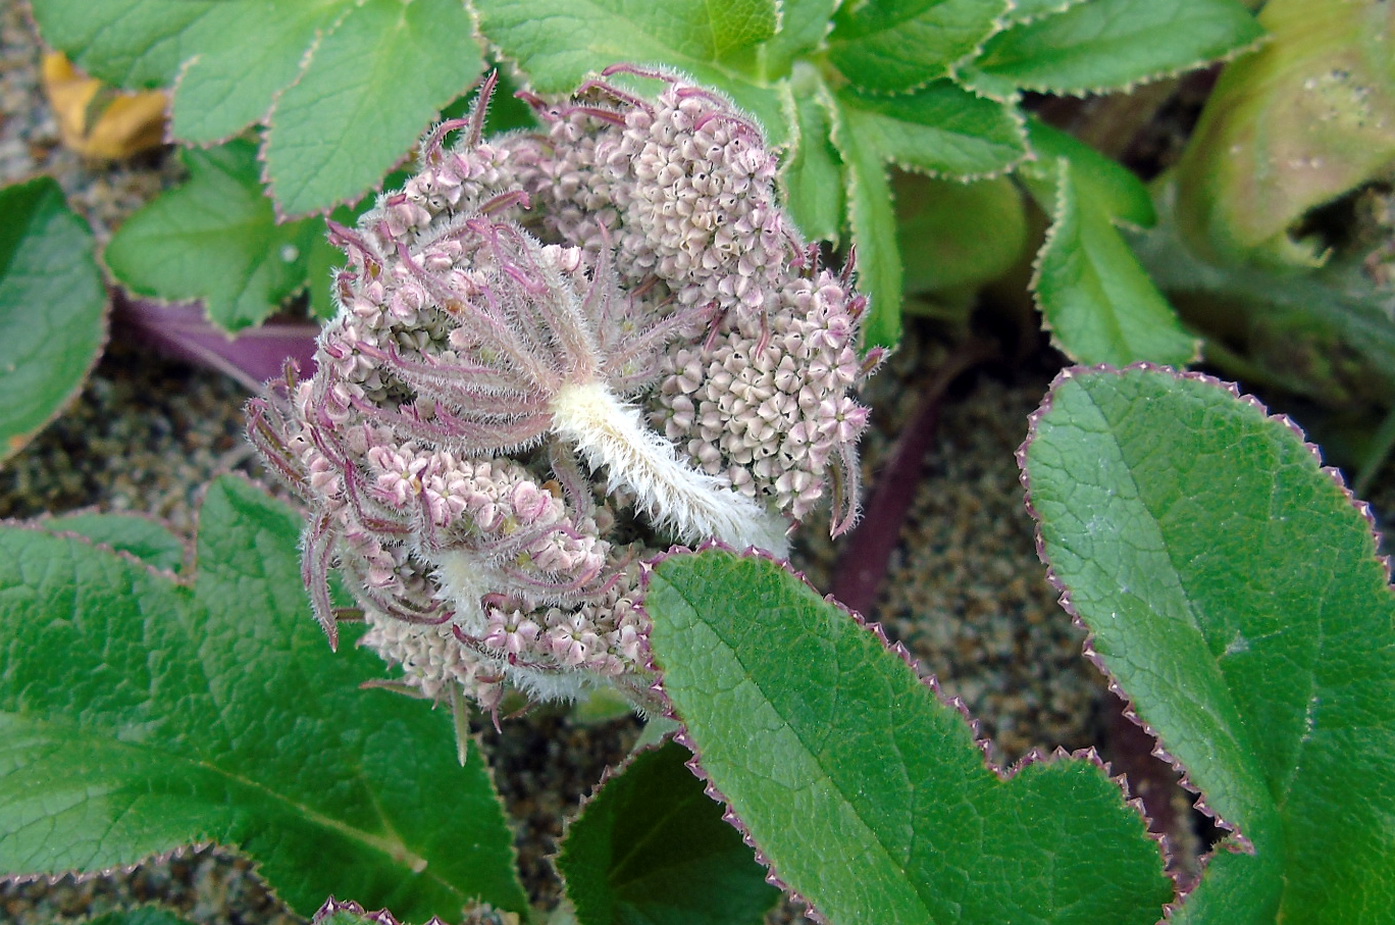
pixel 837 785
pixel 1243 745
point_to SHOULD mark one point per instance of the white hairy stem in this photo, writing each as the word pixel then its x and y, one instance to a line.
pixel 611 435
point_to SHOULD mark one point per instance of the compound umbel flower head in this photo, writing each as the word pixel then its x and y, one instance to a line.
pixel 555 354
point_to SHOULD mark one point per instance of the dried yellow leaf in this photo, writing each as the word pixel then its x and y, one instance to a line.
pixel 98 121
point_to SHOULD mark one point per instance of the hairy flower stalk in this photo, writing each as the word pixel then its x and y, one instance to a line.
pixel 556 354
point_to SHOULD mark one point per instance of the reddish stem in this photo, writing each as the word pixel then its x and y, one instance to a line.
pixel 866 557
pixel 182 330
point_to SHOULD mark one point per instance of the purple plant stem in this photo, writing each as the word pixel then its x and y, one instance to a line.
pixel 862 568
pixel 182 330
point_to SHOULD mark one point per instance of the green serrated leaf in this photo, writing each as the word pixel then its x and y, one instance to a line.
pixel 151 542
pixel 1114 186
pixel 214 238
pixel 137 714
pixel 246 52
pixel 130 43
pixel 867 793
pixel 344 917
pixel 872 220
pixel 652 848
pixel 1233 591
pixel 803 25
pixel 941 129
pixel 368 92
pixel 898 45
pixel 811 177
pixel 1095 296
pixel 559 43
pixel 53 308
pixel 676 32
pixel 1111 44
pixel 338 912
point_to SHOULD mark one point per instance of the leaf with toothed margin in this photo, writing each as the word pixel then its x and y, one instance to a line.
pixel 650 847
pixel 940 129
pixel 366 95
pixel 1232 589
pixel 1110 44
pixel 53 308
pixel 1025 10
pixel 560 43
pixel 148 540
pixel 225 60
pixel 897 45
pixel 1095 296
pixel 342 912
pixel 802 27
pixel 248 52
pixel 129 43
pixel 872 220
pixel 138 714
pixel 346 85
pixel 215 238
pixel 864 792
pixel 811 176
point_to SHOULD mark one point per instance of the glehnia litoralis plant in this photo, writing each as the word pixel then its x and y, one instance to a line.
pixel 556 354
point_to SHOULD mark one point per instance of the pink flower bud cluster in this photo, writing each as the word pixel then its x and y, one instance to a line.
pixel 684 187
pixel 770 408
pixel 631 260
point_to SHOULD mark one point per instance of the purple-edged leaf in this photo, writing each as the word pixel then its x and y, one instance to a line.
pixel 215 238
pixel 341 912
pixel 129 43
pixel 53 308
pixel 367 94
pixel 138 714
pixel 247 51
pixel 559 43
pixel 1232 589
pixel 652 848
pixel 145 538
pixel 866 793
